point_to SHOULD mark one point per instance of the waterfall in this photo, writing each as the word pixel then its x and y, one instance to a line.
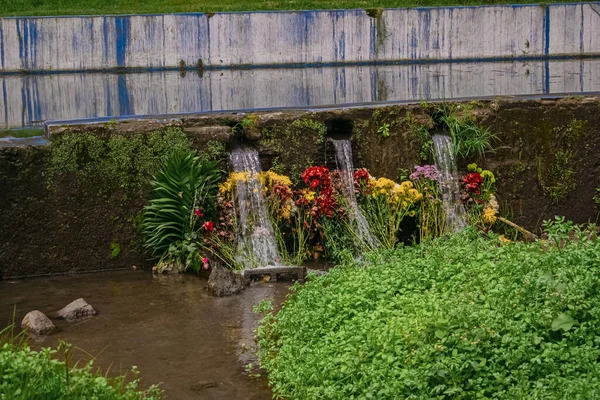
pixel 256 244
pixel 343 157
pixel 449 185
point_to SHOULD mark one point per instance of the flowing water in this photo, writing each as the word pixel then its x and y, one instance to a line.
pixel 256 243
pixel 456 218
pixel 166 325
pixel 343 157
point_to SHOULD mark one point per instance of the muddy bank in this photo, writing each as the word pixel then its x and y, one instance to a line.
pixel 168 326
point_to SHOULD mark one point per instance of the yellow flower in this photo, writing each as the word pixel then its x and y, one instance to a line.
pixel 309 195
pixel 503 240
pixel 280 179
pixel 489 215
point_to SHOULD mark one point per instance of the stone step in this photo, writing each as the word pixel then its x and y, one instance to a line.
pixel 274 271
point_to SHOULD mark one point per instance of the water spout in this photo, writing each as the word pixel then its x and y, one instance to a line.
pixel 256 244
pixel 343 157
pixel 456 218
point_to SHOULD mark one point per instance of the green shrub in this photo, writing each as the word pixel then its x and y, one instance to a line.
pixel 124 161
pixel 457 318
pixel 39 375
pixel 182 199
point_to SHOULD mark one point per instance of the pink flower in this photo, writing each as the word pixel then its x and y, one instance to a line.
pixel 209 226
pixel 205 260
pixel 198 212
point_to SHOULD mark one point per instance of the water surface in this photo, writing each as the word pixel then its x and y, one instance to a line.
pixel 168 326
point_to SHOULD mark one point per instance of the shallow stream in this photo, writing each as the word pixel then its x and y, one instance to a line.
pixel 167 326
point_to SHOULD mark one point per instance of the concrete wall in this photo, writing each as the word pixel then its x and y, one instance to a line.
pixel 27 99
pixel 304 37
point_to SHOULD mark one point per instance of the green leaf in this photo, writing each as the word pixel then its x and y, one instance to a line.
pixel 563 322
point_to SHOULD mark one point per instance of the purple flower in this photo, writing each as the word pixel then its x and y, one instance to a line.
pixel 425 172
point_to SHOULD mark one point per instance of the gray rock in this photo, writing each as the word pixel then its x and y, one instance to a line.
pixel 224 282
pixel 76 309
pixel 36 322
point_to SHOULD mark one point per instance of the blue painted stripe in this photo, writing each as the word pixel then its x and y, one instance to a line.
pixel 105 47
pixel 2 45
pixel 5 98
pixel 20 39
pixel 547 32
pixel 122 28
pixel 124 100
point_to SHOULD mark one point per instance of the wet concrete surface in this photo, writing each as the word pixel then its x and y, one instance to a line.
pixel 167 326
pixel 30 99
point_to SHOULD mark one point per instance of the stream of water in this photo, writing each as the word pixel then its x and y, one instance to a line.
pixel 256 244
pixel 454 210
pixel 343 157
pixel 166 325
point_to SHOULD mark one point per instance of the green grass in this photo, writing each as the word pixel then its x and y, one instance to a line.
pixel 456 318
pixel 21 133
pixel 76 7
pixel 51 374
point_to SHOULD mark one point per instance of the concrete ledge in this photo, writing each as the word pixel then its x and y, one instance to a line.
pixel 300 38
pixel 275 271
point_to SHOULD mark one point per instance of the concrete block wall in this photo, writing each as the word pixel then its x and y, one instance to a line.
pixel 300 38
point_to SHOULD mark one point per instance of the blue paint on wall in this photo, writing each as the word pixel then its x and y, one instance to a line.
pixel 547 50
pixel 20 38
pixel 105 40
pixel 122 38
pixel 108 97
pixel 30 39
pixel 581 31
pixel 124 100
pixel 6 100
pixel 547 31
pixel 2 46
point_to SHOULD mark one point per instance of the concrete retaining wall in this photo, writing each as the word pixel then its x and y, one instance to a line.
pixel 299 38
pixel 29 99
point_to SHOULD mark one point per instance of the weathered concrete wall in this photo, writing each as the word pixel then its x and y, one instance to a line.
pixel 303 37
pixel 29 99
pixel 547 163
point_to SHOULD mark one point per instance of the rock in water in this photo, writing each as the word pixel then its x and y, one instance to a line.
pixel 36 322
pixel 76 309
pixel 224 282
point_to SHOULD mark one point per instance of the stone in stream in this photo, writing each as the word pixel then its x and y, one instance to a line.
pixel 224 282
pixel 76 309
pixel 36 322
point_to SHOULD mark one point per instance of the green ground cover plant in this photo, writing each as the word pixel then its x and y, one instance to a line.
pixel 74 7
pixel 40 375
pixel 460 317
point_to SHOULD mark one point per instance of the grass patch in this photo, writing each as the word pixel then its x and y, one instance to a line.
pixel 457 318
pixel 21 133
pixel 33 375
pixel 74 7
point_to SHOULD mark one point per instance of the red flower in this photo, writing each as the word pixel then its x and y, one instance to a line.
pixel 209 226
pixel 361 175
pixel 198 212
pixel 472 182
pixel 318 174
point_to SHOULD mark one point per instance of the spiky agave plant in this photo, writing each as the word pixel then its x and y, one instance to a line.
pixel 170 226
